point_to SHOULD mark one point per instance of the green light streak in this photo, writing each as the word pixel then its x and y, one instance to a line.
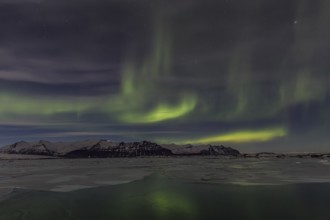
pixel 142 99
pixel 12 105
pixel 128 84
pixel 162 112
pixel 244 136
pixel 303 90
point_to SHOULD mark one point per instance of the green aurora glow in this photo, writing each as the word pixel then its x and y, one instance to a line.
pixel 244 136
pixel 248 83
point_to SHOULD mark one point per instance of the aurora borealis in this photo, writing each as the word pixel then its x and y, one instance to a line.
pixel 250 74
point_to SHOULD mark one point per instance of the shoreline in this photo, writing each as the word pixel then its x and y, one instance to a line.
pixel 7 156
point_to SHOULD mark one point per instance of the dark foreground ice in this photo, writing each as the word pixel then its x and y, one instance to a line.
pixel 165 188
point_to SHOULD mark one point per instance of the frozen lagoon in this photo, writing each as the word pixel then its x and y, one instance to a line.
pixel 165 188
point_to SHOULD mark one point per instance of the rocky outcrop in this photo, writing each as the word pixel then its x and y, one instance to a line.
pixel 105 148
pixel 220 150
pixel 135 149
pixel 23 147
pixel 189 149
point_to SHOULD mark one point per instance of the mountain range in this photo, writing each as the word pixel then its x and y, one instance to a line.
pixel 106 148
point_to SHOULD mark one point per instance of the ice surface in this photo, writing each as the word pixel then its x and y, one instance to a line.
pixel 68 175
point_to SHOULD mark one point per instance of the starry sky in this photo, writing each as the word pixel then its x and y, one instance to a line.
pixel 253 74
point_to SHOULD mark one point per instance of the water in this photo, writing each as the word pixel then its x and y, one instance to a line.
pixel 176 189
pixel 157 197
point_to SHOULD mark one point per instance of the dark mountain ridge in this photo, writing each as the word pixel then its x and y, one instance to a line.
pixel 106 148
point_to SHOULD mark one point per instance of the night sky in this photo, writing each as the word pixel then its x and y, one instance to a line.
pixel 253 74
